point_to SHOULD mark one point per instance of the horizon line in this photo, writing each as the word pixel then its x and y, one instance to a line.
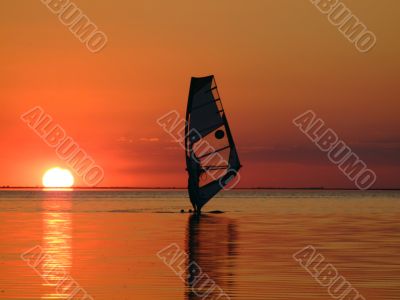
pixel 185 188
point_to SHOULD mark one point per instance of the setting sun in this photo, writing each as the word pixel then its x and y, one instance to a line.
pixel 57 177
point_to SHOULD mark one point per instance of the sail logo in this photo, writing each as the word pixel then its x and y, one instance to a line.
pixel 175 126
pixel 337 150
pixel 66 148
pixel 326 274
pixel 78 23
pixel 191 273
pixel 340 16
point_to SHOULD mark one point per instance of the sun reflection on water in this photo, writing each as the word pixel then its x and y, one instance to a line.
pixel 57 227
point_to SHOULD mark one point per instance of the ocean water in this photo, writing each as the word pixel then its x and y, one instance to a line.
pixel 134 244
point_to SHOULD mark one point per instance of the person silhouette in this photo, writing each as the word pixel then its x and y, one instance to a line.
pixel 195 171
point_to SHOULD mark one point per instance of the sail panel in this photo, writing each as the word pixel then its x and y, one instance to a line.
pixel 209 139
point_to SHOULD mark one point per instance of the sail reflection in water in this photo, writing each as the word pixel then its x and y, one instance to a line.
pixel 211 242
pixel 57 227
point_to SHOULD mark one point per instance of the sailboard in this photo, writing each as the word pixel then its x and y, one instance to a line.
pixel 211 157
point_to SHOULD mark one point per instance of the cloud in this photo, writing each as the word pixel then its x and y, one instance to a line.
pixel 128 140
pixel 124 140
pixel 149 139
pixel 381 153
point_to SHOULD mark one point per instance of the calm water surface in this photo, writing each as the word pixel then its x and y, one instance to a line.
pixel 107 241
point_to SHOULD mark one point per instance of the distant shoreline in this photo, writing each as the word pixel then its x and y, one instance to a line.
pixel 184 188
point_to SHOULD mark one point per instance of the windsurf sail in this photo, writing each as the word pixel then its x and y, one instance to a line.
pixel 211 156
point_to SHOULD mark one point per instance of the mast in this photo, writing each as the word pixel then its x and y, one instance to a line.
pixel 211 155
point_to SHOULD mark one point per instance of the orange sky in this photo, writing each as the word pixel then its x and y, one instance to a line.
pixel 273 60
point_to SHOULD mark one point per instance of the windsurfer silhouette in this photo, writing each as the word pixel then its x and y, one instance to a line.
pixel 207 126
pixel 195 171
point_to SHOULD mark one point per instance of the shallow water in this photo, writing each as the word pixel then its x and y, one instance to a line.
pixel 108 240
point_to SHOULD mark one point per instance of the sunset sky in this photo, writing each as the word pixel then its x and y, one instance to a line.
pixel 273 60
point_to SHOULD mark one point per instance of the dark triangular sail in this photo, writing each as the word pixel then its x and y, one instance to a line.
pixel 211 156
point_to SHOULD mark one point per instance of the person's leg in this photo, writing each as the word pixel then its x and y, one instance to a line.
pixel 198 210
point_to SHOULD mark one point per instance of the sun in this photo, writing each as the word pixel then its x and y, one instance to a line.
pixel 57 178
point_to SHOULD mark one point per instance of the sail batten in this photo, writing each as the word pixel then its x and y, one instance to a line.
pixel 205 104
pixel 207 127
pixel 218 150
pixel 208 130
